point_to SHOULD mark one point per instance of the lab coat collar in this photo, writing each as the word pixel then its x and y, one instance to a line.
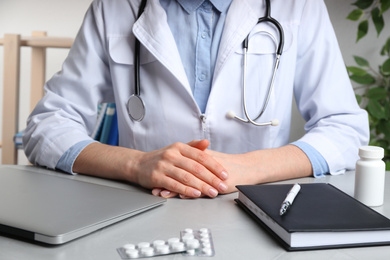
pixel 240 20
pixel 153 32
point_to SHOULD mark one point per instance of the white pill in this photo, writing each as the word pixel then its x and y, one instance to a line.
pixel 193 243
pixel 191 252
pixel 162 249
pixel 143 244
pixel 129 246
pixel 204 230
pixel 147 251
pixel 205 240
pixel 173 240
pixel 188 230
pixel 187 237
pixel 158 243
pixel 132 253
pixel 207 244
pixel 207 251
pixel 178 246
pixel 204 235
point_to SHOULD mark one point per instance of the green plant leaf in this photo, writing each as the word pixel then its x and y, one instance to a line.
pixel 361 61
pixel 377 93
pixel 363 4
pixel 384 128
pixel 377 18
pixel 385 5
pixel 358 98
pixel 388 166
pixel 364 80
pixel 386 48
pixel 387 109
pixel 375 109
pixel 385 68
pixel 355 15
pixel 362 30
pixel 356 71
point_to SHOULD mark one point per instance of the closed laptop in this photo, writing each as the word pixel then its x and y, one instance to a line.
pixel 54 209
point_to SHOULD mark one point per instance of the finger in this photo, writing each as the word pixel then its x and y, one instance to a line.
pixel 204 167
pixel 156 192
pixel 164 193
pixel 184 197
pixel 186 183
pixel 174 185
pixel 200 144
pixel 168 194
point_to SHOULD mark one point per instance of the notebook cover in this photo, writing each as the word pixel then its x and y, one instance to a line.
pixel 318 207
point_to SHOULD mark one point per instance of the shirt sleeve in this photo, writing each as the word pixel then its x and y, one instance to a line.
pixel 67 159
pixel 318 162
pixel 335 124
pixel 67 114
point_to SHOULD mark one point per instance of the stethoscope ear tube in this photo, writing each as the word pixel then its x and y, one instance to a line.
pixel 279 50
pixel 278 26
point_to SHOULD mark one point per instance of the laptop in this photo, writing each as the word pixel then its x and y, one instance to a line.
pixel 54 209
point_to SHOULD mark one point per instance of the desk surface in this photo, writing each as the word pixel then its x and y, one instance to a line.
pixel 235 234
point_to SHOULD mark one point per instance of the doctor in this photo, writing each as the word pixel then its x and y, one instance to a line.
pixel 191 67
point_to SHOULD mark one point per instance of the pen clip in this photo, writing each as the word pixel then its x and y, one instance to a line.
pixel 288 201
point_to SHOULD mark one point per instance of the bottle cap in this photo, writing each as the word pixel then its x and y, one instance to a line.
pixel 371 152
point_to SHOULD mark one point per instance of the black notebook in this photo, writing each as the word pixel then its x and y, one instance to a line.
pixel 321 216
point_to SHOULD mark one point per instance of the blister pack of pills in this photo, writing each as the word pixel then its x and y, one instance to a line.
pixel 191 242
pixel 202 238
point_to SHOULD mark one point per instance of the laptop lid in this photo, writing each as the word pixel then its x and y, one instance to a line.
pixel 53 209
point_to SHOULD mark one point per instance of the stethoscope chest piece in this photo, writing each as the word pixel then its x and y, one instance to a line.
pixel 136 108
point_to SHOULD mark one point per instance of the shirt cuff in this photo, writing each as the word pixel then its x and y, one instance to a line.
pixel 67 159
pixel 318 162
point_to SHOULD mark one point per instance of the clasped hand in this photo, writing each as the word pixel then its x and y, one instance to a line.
pixel 182 169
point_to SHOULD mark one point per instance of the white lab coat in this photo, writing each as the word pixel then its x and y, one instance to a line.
pixel 100 69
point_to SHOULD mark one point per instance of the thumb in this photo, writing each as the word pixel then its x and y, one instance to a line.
pixel 199 144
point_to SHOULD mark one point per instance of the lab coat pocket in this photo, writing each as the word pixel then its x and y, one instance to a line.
pixel 121 50
pixel 265 38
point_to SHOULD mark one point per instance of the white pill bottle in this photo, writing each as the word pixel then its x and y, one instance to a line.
pixel 370 176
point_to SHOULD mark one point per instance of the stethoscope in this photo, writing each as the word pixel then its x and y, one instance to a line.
pixel 136 106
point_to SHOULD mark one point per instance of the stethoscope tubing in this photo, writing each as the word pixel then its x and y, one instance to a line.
pixel 279 50
pixel 136 106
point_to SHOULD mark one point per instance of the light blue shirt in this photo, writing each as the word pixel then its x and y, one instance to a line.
pixel 198 48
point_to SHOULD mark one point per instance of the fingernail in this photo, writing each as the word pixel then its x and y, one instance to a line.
pixel 224 175
pixel 213 193
pixel 222 187
pixel 156 192
pixel 165 193
pixel 197 193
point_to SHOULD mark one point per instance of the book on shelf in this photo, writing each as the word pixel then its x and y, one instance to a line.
pixel 320 217
pixel 18 139
pixel 113 136
pixel 99 121
pixel 107 123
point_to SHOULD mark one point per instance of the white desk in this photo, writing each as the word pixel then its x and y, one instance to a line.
pixel 235 234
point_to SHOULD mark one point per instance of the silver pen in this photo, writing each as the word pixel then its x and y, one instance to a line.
pixel 289 198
